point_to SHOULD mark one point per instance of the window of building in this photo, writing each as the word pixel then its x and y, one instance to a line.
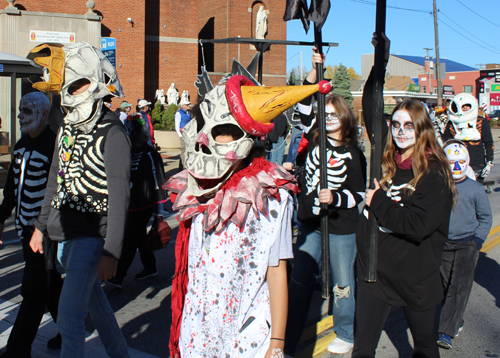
pixel 424 89
pixel 467 89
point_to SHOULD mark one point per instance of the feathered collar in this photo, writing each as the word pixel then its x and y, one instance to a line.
pixel 247 189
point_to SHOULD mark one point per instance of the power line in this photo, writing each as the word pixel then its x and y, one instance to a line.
pixel 444 23
pixel 366 2
pixel 487 44
pixel 482 17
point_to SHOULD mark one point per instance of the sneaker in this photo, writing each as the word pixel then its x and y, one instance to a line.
pixel 339 346
pixel 459 330
pixel 115 282
pixel 145 274
pixel 55 343
pixel 444 341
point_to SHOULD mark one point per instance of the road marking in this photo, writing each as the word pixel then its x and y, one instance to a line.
pixel 317 328
pixel 492 241
pixel 317 348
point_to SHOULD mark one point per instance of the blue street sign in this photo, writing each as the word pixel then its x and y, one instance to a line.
pixel 108 47
pixel 1 68
pixel 108 43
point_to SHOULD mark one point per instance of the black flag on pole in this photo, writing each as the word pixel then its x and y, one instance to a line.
pixel 295 10
pixel 317 13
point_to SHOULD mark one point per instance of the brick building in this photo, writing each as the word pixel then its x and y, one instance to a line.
pixel 156 40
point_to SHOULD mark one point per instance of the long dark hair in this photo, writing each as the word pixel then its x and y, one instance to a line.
pixel 348 125
pixel 427 148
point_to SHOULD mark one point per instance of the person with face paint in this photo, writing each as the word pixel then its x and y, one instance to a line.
pixel 346 166
pixel 412 205
pixel 470 224
pixel 24 190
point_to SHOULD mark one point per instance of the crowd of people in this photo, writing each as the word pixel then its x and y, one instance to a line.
pixel 248 248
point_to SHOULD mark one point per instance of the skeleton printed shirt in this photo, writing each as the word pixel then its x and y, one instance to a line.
pixel 27 180
pixel 346 176
pixel 226 309
pixel 413 227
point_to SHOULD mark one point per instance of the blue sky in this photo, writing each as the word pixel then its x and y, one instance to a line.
pixel 464 36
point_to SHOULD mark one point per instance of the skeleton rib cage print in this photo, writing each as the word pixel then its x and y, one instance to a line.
pixel 30 170
pixel 82 177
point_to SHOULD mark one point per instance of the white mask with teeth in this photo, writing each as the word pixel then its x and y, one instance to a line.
pixel 87 63
pixel 403 129
pixel 332 119
pixel 31 110
pixel 208 162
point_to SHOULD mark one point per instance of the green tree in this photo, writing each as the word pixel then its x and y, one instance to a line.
pixel 342 84
pixel 157 113
pixel 294 77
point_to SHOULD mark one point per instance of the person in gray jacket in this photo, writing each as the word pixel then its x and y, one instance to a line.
pixel 470 224
pixel 87 196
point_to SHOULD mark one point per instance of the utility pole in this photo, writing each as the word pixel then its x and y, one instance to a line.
pixel 301 68
pixel 429 68
pixel 436 40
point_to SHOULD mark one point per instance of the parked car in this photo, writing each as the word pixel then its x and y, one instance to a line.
pixel 495 115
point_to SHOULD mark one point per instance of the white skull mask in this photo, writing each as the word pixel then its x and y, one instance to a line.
pixel 208 162
pixel 458 156
pixel 463 118
pixel 86 62
pixel 31 110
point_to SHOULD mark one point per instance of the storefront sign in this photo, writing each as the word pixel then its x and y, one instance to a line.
pixel 52 36
pixel 495 88
pixel 413 87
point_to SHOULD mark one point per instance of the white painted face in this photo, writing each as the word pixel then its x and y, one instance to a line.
pixel 211 162
pixel 403 129
pixel 332 119
pixel 31 110
pixel 458 156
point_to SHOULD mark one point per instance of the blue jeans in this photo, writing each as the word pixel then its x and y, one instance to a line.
pixel 81 294
pixel 305 266
pixel 278 151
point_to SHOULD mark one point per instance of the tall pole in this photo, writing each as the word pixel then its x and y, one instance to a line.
pixel 325 243
pixel 436 40
pixel 376 140
pixel 301 68
pixel 429 68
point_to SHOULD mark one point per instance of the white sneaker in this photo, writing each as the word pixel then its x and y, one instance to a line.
pixel 339 346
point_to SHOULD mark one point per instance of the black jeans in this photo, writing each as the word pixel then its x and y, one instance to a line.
pixel 370 316
pixel 41 288
pixel 457 272
pixel 134 240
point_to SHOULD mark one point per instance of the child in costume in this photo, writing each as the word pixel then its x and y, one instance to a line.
pixel 470 223
pixel 229 296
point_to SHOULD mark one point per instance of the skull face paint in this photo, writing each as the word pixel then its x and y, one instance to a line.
pixel 458 156
pixel 209 162
pixel 403 129
pixel 332 119
pixel 31 110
